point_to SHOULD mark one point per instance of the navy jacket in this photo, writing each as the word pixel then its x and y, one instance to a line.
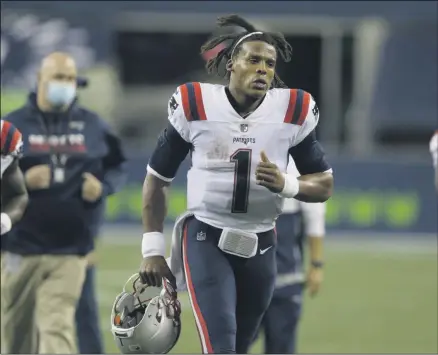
pixel 57 220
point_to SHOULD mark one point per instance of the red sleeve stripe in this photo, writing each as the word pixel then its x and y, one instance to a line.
pixel 304 108
pixel 199 102
pixel 10 137
pixel 5 129
pixel 15 140
pixel 291 107
pixel 298 107
pixel 185 101
pixel 192 102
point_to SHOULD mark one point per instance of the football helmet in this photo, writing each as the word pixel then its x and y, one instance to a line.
pixel 146 319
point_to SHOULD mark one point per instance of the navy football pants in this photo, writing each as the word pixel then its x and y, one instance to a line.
pixel 229 294
pixel 87 317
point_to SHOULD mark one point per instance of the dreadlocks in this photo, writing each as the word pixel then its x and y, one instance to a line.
pixel 277 40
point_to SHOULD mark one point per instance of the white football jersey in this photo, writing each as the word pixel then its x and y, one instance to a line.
pixel 313 213
pixel 433 148
pixel 11 144
pixel 221 184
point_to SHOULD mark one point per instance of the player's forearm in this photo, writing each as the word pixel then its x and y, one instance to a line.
pixel 15 206
pixel 154 204
pixel 315 187
pixel 14 193
pixel 436 179
pixel 316 248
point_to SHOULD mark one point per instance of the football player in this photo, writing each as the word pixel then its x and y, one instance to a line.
pixel 239 137
pixel 299 223
pixel 433 148
pixel 13 189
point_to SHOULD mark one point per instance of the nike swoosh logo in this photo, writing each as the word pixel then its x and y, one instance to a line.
pixel 262 251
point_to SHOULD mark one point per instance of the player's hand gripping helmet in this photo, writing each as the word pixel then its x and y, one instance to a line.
pixel 146 319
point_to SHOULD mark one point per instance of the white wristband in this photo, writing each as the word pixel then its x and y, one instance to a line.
pixel 153 244
pixel 291 186
pixel 6 223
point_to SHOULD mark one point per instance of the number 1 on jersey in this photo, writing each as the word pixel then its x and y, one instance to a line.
pixel 242 170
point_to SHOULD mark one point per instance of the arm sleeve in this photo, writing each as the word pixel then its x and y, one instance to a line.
pixel 310 122
pixel 114 163
pixel 313 213
pixel 176 116
pixel 173 143
pixel 433 148
pixel 307 152
pixel 314 218
pixel 309 156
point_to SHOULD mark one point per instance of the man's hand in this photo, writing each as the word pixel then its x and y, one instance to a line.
pixel 38 177
pixel 314 280
pixel 268 175
pixel 6 224
pixel 91 258
pixel 153 269
pixel 91 188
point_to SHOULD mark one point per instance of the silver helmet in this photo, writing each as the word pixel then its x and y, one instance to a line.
pixel 146 319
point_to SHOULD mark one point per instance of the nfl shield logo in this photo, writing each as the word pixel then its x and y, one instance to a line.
pixel 244 128
pixel 200 236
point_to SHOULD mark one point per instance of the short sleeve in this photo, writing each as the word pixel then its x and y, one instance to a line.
pixel 176 115
pixel 11 140
pixel 433 148
pixel 314 218
pixel 310 122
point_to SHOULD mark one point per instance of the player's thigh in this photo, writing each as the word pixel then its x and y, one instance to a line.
pixel 63 285
pixel 57 298
pixel 20 278
pixel 255 277
pixel 211 286
pixel 255 282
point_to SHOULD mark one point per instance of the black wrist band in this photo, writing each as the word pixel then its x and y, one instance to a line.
pixel 316 264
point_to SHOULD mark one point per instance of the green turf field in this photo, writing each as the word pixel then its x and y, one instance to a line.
pixel 371 302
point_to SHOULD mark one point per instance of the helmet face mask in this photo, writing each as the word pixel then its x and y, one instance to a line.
pixel 146 320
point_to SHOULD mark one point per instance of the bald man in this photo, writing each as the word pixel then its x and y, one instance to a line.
pixel 71 162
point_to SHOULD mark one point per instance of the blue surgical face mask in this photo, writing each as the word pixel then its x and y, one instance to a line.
pixel 60 94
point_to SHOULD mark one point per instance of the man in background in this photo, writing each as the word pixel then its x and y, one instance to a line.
pixel 433 148
pixel 300 223
pixel 71 163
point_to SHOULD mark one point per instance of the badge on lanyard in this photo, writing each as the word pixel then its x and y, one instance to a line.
pixel 59 175
pixel 59 170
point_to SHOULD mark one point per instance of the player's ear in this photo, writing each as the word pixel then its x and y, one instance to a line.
pixel 229 65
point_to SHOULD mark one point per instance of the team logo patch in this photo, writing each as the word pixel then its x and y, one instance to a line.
pixel 201 236
pixel 79 125
pixel 243 128
pixel 315 111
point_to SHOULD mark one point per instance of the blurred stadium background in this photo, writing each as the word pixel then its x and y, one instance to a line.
pixel 372 68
